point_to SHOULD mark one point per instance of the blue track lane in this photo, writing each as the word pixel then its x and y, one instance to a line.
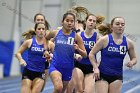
pixel 131 83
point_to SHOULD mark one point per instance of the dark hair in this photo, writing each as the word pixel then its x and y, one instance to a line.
pixel 89 15
pixel 73 12
pixel 82 22
pixel 66 14
pixel 37 15
pixel 46 22
pixel 47 25
pixel 99 19
pixel 36 25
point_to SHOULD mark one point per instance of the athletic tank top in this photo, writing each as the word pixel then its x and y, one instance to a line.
pixel 63 56
pixel 112 57
pixel 88 43
pixel 36 61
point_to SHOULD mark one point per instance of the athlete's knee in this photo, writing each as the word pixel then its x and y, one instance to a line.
pixel 87 91
pixel 25 89
pixel 80 91
pixel 59 88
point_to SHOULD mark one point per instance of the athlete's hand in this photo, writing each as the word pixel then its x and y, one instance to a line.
pixel 96 73
pixel 46 55
pixel 76 47
pixel 78 57
pixel 129 64
pixel 51 56
pixel 22 62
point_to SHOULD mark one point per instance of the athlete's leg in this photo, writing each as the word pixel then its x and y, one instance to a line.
pixel 65 84
pixel 101 86
pixel 71 85
pixel 56 78
pixel 26 86
pixel 37 85
pixel 79 80
pixel 89 83
pixel 46 78
pixel 115 87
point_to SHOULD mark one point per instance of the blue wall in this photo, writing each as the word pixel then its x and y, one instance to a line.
pixel 6 54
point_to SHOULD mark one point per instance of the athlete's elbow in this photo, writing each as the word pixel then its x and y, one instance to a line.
pixel 90 55
pixel 16 54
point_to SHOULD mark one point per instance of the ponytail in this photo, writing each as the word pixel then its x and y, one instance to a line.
pixel 28 34
pixel 104 29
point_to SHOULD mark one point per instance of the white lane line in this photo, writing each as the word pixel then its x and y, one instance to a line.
pixel 131 80
pixel 133 89
pixel 10 85
pixel 9 81
pixel 18 88
pixel 9 90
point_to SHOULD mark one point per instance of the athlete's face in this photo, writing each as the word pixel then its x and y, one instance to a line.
pixel 118 25
pixel 39 19
pixel 40 30
pixel 91 22
pixel 68 22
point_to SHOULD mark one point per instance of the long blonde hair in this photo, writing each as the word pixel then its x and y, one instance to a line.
pixel 104 29
pixel 80 12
